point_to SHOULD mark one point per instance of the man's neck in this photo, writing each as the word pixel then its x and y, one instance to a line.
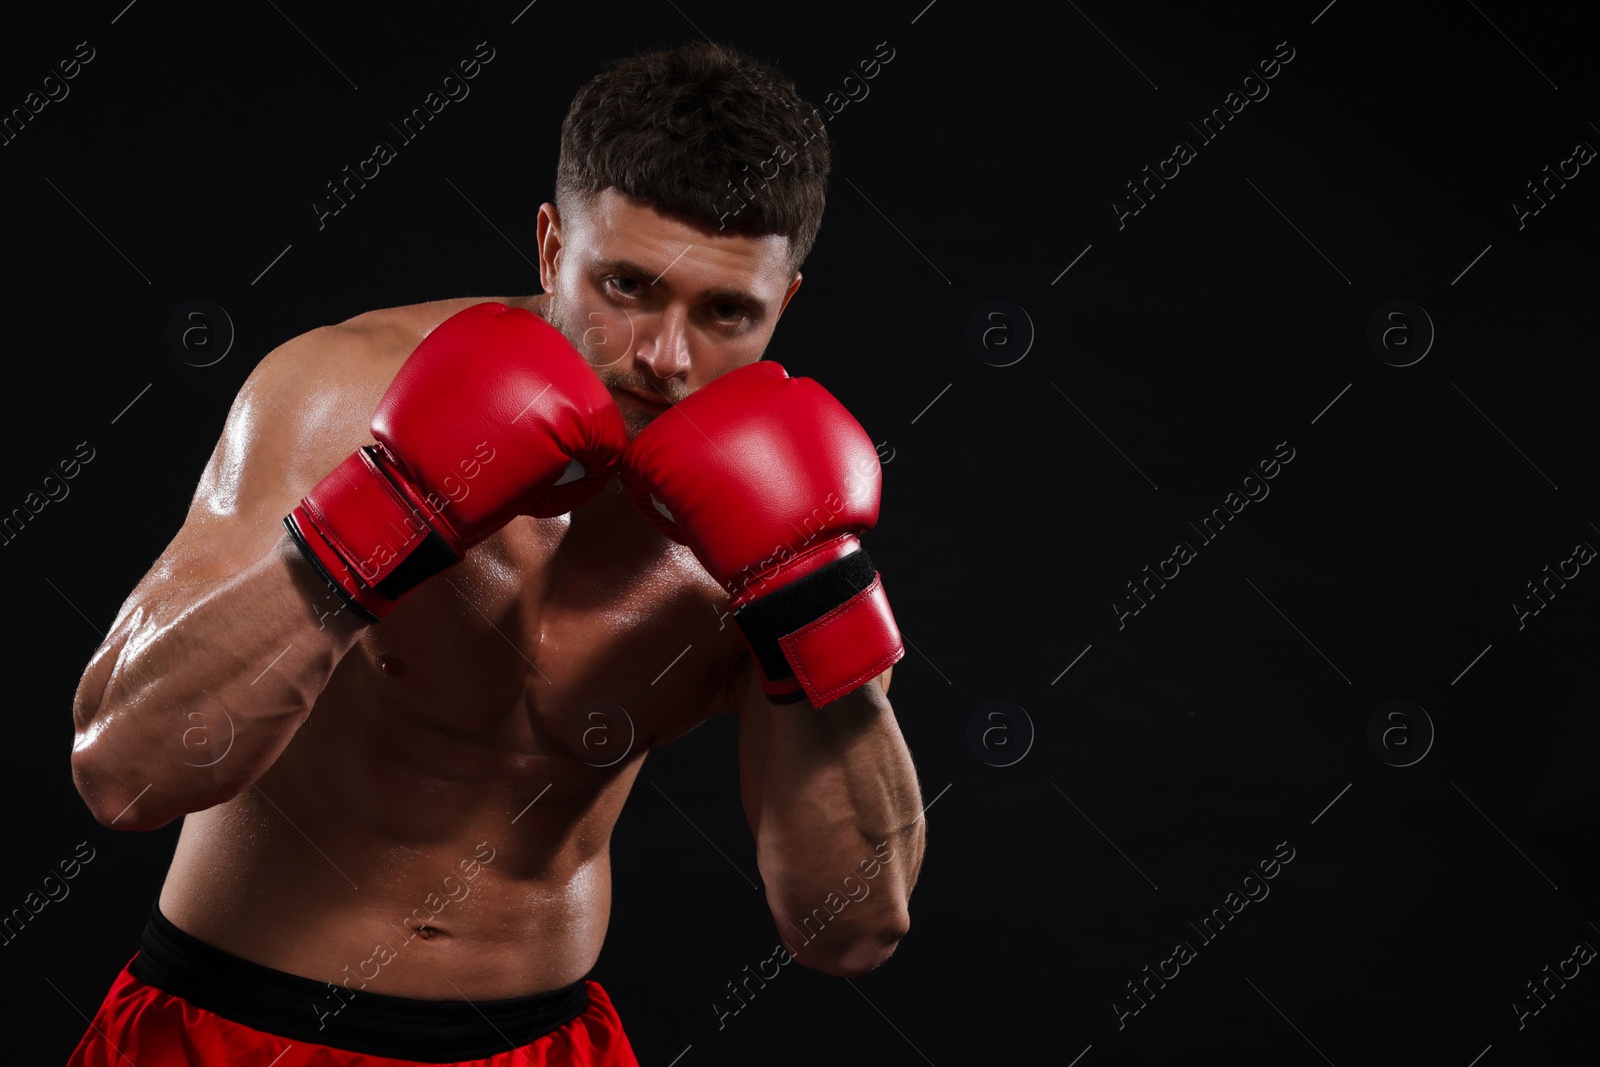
pixel 535 303
pixel 611 509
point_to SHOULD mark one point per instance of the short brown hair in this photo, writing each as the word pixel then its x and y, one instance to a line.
pixel 696 131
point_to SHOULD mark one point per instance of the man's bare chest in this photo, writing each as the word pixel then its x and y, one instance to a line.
pixel 540 640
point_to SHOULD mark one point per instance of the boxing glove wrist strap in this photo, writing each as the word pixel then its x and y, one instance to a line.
pixel 362 531
pixel 319 555
pixel 824 634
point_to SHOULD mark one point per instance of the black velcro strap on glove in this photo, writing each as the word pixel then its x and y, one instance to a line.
pixel 423 562
pixel 426 560
pixel 778 614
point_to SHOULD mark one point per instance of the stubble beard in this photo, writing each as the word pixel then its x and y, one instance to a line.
pixel 634 421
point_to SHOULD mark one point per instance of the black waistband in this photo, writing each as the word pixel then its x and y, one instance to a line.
pixel 324 1013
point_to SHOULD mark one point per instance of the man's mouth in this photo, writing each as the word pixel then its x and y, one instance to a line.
pixel 645 400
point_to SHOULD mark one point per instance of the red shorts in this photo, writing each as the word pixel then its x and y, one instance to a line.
pixel 259 1017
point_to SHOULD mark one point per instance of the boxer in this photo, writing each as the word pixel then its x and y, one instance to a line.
pixel 453 569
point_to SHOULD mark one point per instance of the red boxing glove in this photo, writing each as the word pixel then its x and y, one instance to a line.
pixel 494 415
pixel 768 479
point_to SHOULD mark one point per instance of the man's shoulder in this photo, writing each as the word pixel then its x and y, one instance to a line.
pixel 364 351
pixel 405 326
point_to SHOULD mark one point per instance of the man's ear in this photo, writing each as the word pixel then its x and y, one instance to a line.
pixel 793 286
pixel 548 233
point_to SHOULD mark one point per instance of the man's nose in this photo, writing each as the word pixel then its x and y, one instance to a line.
pixel 664 345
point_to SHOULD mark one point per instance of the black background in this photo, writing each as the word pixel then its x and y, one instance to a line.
pixel 1229 315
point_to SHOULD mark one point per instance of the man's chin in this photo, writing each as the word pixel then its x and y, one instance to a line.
pixel 636 413
pixel 635 422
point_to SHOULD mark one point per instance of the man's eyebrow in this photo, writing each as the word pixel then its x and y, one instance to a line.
pixel 730 294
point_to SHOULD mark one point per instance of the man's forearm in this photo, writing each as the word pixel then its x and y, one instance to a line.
pixel 840 837
pixel 192 699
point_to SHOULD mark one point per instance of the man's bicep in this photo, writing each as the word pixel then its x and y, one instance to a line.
pixel 221 533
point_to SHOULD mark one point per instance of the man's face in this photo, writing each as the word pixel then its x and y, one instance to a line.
pixel 657 306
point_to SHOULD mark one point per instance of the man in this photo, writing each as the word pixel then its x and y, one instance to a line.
pixel 396 832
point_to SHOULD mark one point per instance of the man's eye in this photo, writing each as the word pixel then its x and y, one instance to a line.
pixel 624 285
pixel 727 312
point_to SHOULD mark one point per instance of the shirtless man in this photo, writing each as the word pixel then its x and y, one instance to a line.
pixel 395 837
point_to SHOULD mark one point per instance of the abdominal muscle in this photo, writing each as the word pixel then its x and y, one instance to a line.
pixel 388 851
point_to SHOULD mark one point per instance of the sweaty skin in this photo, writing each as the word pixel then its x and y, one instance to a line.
pixel 509 679
pixel 514 679
pixel 438 825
